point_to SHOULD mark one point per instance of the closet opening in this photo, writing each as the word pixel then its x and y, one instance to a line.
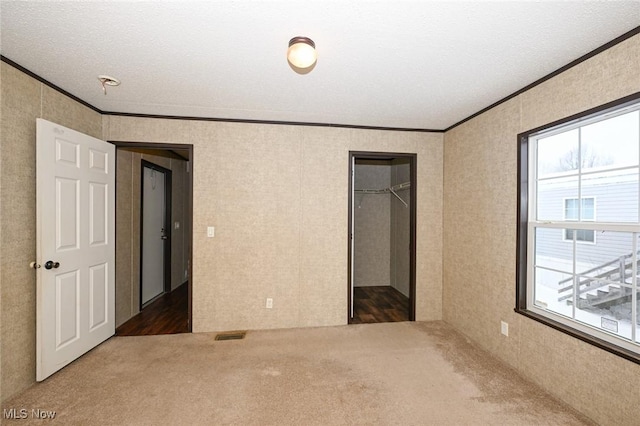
pixel 382 234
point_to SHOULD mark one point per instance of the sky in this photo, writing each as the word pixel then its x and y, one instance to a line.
pixel 616 141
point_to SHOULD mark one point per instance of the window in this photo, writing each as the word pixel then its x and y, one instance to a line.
pixel 572 212
pixel 577 271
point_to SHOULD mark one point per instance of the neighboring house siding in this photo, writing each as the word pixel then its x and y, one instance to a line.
pixel 614 202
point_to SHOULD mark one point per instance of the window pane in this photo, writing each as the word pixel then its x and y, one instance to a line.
pixel 614 319
pixel 554 271
pixel 605 270
pixel 609 259
pixel 611 143
pixel 582 235
pixel 558 153
pixel 568 234
pixel 551 197
pixel 546 295
pixel 588 209
pixel 571 211
pixel 637 301
pixel 551 251
pixel 615 193
pixel 586 236
pixel 638 317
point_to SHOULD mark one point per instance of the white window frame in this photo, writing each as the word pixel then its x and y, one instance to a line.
pixel 528 223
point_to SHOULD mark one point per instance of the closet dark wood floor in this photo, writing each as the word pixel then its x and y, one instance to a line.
pixel 168 314
pixel 379 304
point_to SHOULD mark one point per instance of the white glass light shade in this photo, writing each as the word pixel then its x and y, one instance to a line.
pixel 302 52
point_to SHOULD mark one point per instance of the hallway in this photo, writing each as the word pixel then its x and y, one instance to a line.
pixel 169 314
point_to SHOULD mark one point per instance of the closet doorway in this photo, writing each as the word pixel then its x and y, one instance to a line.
pixel 382 234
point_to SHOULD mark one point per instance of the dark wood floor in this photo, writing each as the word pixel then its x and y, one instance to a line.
pixel 379 304
pixel 169 314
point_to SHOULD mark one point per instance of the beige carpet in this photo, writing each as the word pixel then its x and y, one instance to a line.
pixel 376 374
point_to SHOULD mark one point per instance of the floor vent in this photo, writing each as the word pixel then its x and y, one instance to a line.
pixel 236 335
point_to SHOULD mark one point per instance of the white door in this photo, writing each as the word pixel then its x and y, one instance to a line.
pixel 153 233
pixel 75 203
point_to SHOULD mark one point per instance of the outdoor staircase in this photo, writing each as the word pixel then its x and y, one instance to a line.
pixel 602 288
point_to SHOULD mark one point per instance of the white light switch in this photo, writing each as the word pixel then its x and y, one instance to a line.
pixel 210 231
pixel 176 225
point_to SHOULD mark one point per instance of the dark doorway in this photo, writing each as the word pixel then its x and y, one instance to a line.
pixel 167 314
pixel 166 309
pixel 382 229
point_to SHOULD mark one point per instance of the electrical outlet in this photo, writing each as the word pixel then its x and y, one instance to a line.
pixel 504 328
pixel 269 303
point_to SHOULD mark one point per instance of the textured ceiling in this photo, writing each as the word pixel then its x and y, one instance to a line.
pixel 396 63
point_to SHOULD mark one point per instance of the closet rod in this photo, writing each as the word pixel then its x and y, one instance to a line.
pixel 397 187
pixel 391 189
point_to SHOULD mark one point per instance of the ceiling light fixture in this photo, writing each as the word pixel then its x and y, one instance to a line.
pixel 106 80
pixel 302 55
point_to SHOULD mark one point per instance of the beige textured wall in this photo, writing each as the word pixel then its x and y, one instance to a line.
pixel 480 240
pixel 127 273
pixel 128 225
pixel 23 100
pixel 372 226
pixel 401 229
pixel 277 196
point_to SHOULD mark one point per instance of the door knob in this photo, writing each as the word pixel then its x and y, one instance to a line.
pixel 51 264
pixel 164 237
